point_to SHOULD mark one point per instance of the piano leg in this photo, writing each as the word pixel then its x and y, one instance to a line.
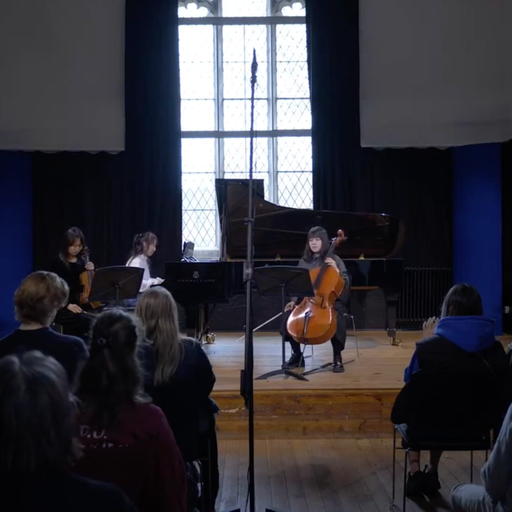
pixel 193 321
pixel 199 324
pixel 202 315
pixel 392 307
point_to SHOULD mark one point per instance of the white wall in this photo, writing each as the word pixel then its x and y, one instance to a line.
pixel 62 75
pixel 435 72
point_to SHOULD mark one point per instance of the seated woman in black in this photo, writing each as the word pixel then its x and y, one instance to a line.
pixel 465 370
pixel 36 301
pixel 38 445
pixel 70 263
pixel 183 379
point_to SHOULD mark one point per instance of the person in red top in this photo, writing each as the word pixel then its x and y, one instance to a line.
pixel 127 441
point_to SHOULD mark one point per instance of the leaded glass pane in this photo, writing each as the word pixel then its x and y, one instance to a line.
pixel 295 189
pixel 294 154
pixel 196 43
pixel 197 77
pixel 293 114
pixel 237 115
pixel 292 80
pixel 198 191
pixel 198 156
pixel 244 8
pixel 291 43
pixel 200 227
pixel 238 43
pixel 197 80
pixel 237 156
pixel 197 115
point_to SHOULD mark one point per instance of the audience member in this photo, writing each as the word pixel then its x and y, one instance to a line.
pixel 496 493
pixel 38 445
pixel 36 301
pixel 467 369
pixel 127 441
pixel 182 383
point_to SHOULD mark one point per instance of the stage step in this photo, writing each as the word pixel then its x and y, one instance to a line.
pixel 315 413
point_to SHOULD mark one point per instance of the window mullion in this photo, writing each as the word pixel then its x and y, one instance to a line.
pixel 273 181
pixel 219 94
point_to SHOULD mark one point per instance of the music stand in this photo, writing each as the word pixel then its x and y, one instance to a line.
pixel 116 284
pixel 283 280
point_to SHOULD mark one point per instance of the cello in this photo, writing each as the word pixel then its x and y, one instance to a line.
pixel 314 321
pixel 86 278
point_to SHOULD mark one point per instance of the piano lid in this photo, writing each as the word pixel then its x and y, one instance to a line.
pixel 280 232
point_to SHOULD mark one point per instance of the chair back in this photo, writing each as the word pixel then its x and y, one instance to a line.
pixel 450 404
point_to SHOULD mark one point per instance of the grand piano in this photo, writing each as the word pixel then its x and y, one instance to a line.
pixel 279 238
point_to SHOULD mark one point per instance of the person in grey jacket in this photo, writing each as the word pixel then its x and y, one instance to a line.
pixel 317 246
pixel 495 495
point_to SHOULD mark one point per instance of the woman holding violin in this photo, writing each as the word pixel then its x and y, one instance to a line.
pixel 72 265
pixel 318 254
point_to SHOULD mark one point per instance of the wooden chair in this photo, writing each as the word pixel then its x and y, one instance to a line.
pixel 446 410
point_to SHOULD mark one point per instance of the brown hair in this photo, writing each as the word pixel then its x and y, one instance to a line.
pixel 158 313
pixel 39 296
pixel 37 427
pixel 462 300
pixel 112 376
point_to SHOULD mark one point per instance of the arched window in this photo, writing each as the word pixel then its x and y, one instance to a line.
pixel 217 38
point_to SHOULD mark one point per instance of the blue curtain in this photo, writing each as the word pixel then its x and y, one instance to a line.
pixel 113 197
pixel 16 221
pixel 506 191
pixel 477 223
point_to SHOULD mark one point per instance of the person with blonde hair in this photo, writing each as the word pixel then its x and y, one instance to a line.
pixel 37 442
pixel 37 301
pixel 182 380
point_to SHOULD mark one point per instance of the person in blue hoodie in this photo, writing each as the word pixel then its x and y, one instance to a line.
pixel 461 333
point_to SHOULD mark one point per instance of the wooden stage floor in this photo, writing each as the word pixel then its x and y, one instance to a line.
pixel 380 365
pixel 330 475
pixel 357 402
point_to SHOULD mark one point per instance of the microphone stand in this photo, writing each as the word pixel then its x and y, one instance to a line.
pixel 247 374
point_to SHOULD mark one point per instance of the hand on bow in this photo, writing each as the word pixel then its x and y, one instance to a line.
pixel 290 306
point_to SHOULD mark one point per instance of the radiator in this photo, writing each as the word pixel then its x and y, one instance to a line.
pixel 423 292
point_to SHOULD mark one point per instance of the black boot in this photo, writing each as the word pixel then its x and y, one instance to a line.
pixel 337 365
pixel 296 361
pixel 432 483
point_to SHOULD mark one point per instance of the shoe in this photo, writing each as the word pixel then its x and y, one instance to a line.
pixel 416 483
pixel 296 361
pixel 432 483
pixel 424 482
pixel 337 365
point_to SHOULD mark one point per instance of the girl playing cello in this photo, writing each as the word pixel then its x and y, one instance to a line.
pixel 317 246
